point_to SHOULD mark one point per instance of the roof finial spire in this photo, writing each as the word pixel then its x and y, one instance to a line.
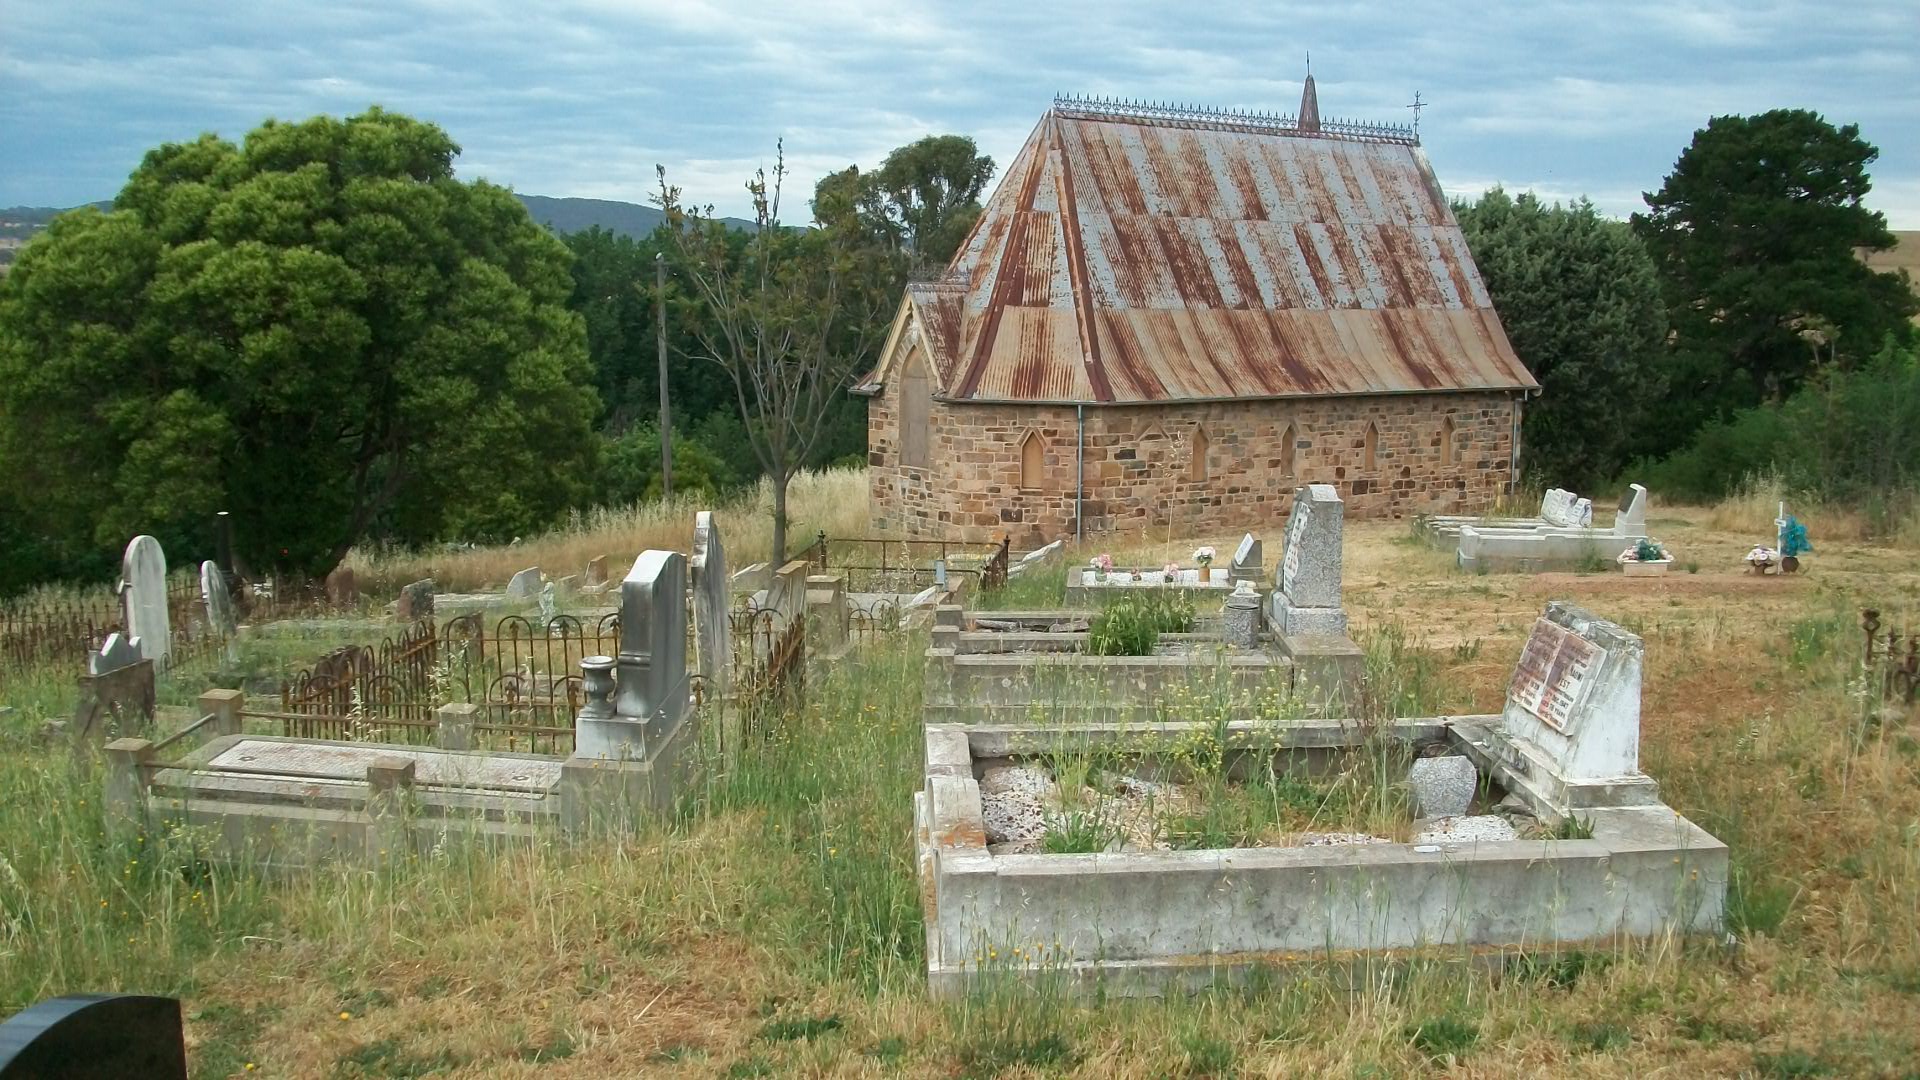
pixel 1309 106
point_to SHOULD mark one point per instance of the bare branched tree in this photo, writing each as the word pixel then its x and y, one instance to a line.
pixel 788 314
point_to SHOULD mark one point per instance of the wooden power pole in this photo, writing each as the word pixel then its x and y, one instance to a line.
pixel 666 416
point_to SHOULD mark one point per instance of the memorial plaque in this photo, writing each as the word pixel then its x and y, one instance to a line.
pixel 1552 676
pixel 1296 529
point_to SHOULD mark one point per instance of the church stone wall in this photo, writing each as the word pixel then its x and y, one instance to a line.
pixel 1140 474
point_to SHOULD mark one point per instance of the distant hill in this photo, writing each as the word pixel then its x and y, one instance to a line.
pixel 562 215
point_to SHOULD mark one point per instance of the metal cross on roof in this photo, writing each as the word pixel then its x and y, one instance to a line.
pixel 1416 107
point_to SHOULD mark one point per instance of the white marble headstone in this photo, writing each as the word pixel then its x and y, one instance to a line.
pixel 143 584
pixel 219 602
pixel 1575 694
pixel 118 651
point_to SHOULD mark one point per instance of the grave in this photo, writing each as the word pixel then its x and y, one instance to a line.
pixel 712 634
pixel 1549 546
pixel 1038 559
pixel 1565 749
pixel 287 802
pixel 525 585
pixel 143 593
pixel 116 693
pixel 343 587
pixel 1558 507
pixel 1091 586
pixel 219 604
pixel 416 601
pixel 1305 611
pixel 1246 564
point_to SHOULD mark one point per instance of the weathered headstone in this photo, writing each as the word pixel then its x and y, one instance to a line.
pixel 95 1037
pixel 143 591
pixel 219 601
pixel 650 693
pixel 712 641
pixel 787 596
pixel 1575 695
pixel 1558 507
pixel 565 588
pixel 342 586
pixel 525 584
pixel 1247 559
pixel 416 601
pixel 549 602
pixel 828 618
pixel 117 694
pixel 597 570
pixel 1307 600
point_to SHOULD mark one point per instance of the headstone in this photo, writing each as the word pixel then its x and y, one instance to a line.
pixel 828 619
pixel 1557 508
pixel 1307 601
pixel 1575 695
pixel 1633 509
pixel 95 1037
pixel 1246 560
pixel 597 570
pixel 787 596
pixel 567 587
pixel 1442 786
pixel 650 691
pixel 549 602
pixel 219 602
pixel 118 651
pixel 143 591
pixel 525 584
pixel 712 638
pixel 416 601
pixel 342 586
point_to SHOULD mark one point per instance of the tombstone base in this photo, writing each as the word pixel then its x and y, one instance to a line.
pixel 1290 621
pixel 600 793
pixel 1328 668
pixel 1520 766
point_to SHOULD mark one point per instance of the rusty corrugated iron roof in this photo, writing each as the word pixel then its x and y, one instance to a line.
pixel 1147 254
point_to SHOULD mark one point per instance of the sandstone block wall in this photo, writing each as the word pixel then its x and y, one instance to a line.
pixel 1139 469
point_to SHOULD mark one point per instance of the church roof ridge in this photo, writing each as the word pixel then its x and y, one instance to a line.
pixel 1213 118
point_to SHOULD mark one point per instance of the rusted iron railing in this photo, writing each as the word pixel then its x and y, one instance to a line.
pixel 873 564
pixel 1891 660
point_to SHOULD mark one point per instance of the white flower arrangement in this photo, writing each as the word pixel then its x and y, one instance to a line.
pixel 1763 556
pixel 1203 555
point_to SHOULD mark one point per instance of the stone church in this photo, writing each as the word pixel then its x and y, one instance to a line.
pixel 1174 317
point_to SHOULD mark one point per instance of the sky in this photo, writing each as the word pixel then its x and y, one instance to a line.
pixel 585 97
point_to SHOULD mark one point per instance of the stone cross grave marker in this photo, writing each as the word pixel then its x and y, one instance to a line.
pixel 525 584
pixel 712 641
pixel 650 691
pixel 1308 600
pixel 219 602
pixel 143 591
pixel 1246 560
pixel 1575 695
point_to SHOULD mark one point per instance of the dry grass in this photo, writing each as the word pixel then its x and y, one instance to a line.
pixel 834 501
pixel 771 929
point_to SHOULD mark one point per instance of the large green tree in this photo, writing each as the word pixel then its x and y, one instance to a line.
pixel 923 199
pixel 1756 236
pixel 320 330
pixel 1581 305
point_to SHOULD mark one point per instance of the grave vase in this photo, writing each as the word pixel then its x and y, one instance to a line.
pixel 1206 573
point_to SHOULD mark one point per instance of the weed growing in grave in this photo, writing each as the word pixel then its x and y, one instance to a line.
pixel 1078 832
pixel 1574 827
pixel 1035 590
pixel 1132 624
pixel 1592 562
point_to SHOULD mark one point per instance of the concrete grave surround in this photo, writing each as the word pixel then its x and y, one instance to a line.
pixel 651 695
pixel 143 592
pixel 525 584
pixel 1145 922
pixel 712 637
pixel 1547 546
pixel 219 602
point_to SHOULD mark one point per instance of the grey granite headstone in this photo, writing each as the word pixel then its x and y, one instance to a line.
pixel 712 641
pixel 1307 600
pixel 650 694
pixel 219 602
pixel 1442 786
pixel 1247 558
pixel 118 651
pixel 143 585
pixel 525 584
pixel 416 601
